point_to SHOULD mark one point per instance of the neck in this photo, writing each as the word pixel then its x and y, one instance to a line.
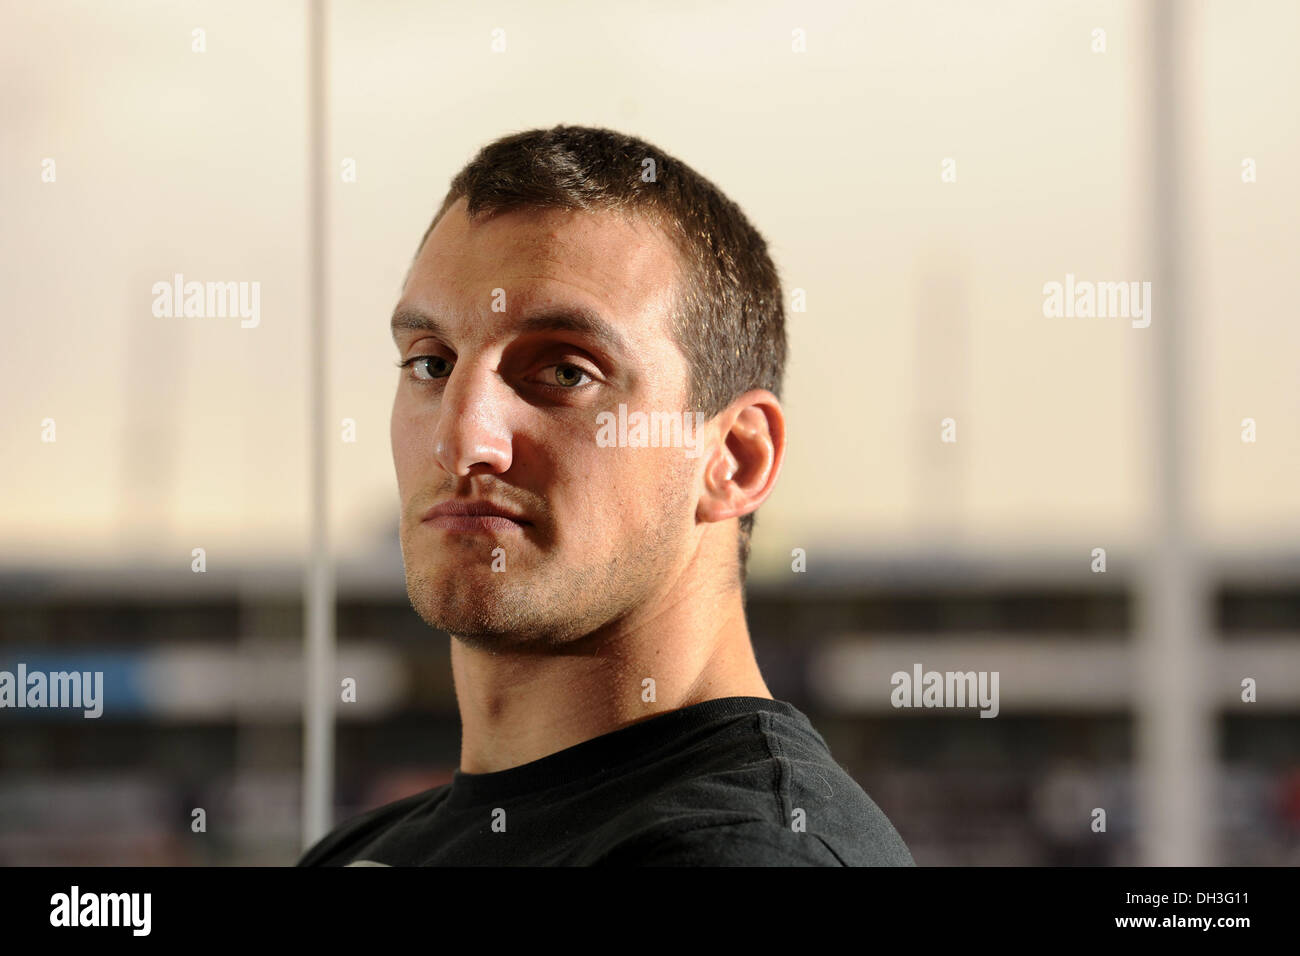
pixel 517 707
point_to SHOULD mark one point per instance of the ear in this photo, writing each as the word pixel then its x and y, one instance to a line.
pixel 742 470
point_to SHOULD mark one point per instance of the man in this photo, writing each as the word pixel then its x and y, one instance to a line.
pixel 576 284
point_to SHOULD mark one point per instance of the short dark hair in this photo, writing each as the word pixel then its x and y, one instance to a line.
pixel 729 314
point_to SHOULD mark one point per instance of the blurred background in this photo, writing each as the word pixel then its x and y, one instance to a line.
pixel 920 169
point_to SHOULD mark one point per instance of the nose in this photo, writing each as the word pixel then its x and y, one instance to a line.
pixel 472 435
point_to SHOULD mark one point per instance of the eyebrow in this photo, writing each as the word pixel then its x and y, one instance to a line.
pixel 574 318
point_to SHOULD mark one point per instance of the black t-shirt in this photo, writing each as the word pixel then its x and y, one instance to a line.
pixel 737 781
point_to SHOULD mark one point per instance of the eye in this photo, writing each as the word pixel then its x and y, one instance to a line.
pixel 435 367
pixel 568 375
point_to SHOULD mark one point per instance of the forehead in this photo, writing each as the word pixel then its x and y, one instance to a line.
pixel 623 269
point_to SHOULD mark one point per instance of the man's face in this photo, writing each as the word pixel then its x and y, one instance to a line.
pixel 501 406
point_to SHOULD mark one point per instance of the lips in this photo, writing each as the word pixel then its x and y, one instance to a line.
pixel 467 515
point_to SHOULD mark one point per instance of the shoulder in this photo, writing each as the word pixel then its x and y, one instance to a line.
pixel 772 796
pixel 337 846
pixel 750 843
pixel 817 793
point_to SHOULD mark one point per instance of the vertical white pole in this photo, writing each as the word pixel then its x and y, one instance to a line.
pixel 318 701
pixel 1174 718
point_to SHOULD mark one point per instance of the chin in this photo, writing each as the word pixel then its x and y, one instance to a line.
pixel 498 622
pixel 478 606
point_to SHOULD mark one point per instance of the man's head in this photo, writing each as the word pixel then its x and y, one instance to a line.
pixel 567 273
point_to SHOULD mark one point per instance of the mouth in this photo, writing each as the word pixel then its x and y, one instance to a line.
pixel 474 516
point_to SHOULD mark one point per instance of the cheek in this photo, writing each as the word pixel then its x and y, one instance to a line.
pixel 641 487
pixel 408 449
pixel 595 494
